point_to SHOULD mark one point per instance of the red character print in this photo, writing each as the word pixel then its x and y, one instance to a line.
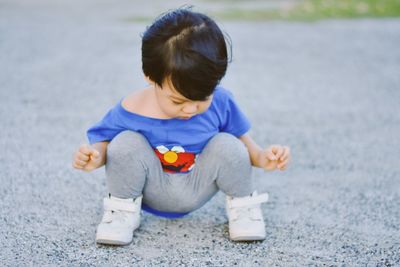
pixel 175 159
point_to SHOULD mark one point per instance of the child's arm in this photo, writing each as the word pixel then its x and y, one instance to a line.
pixel 274 157
pixel 90 157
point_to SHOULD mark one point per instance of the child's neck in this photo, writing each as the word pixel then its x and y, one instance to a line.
pixel 152 107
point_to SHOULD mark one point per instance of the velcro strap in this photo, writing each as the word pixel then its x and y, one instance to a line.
pixel 112 204
pixel 248 201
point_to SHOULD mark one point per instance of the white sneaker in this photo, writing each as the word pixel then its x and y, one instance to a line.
pixel 121 217
pixel 246 222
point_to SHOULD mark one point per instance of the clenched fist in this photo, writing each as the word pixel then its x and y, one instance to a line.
pixel 87 158
pixel 274 157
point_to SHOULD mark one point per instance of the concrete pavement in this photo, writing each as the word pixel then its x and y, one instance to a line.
pixel 330 90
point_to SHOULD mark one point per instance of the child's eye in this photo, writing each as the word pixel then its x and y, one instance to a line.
pixel 176 103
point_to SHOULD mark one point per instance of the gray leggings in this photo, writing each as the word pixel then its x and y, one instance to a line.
pixel 133 170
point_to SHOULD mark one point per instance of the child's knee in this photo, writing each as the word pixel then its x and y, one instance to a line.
pixel 125 143
pixel 229 147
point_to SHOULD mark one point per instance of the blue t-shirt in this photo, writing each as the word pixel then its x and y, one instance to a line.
pixel 176 142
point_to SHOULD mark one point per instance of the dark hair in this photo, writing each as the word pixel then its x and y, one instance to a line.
pixel 189 49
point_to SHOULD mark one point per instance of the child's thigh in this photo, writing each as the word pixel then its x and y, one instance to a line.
pixel 224 158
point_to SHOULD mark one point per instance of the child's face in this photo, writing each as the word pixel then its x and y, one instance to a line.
pixel 174 105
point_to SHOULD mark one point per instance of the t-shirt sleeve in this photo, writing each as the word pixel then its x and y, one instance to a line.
pixel 234 121
pixel 107 128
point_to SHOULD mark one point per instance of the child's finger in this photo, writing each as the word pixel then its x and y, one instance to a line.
pixel 270 155
pixel 85 149
pixel 282 164
pixel 273 148
pixel 89 151
pixel 279 152
pixel 80 162
pixel 76 166
pixel 286 153
pixel 83 157
pixel 95 153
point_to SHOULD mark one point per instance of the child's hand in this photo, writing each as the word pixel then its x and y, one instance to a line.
pixel 87 158
pixel 275 157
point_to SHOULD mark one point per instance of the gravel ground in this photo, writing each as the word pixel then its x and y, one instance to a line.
pixel 330 90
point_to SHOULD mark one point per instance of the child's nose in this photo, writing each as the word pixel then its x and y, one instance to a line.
pixel 190 108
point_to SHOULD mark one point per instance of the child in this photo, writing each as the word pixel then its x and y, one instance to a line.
pixel 170 147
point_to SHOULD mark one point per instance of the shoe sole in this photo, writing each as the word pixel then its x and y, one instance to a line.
pixel 113 239
pixel 248 238
pixel 112 242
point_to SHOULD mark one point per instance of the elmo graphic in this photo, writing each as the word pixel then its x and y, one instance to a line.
pixel 175 159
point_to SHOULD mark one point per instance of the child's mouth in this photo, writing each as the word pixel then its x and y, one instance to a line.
pixel 187 116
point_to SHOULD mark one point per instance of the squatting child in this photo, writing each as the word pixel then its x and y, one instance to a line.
pixel 171 147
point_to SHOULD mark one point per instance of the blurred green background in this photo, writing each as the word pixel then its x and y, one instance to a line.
pixel 297 10
pixel 318 9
